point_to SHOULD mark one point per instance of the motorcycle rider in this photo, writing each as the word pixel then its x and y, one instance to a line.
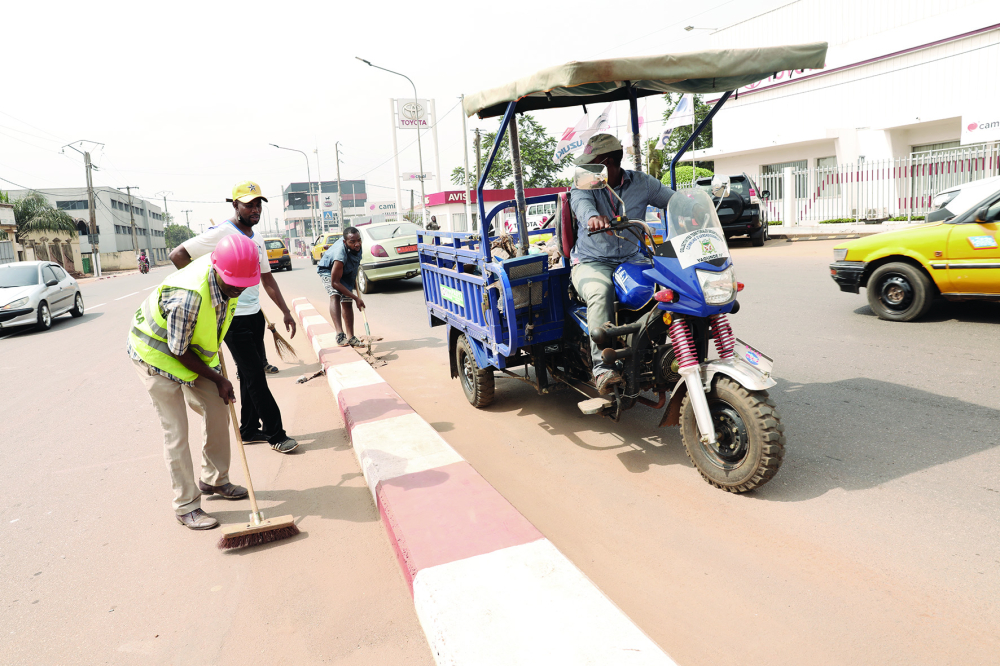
pixel 143 261
pixel 595 258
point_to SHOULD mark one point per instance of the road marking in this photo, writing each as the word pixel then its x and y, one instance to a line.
pixel 148 288
pixel 127 295
pixel 96 306
pixel 10 335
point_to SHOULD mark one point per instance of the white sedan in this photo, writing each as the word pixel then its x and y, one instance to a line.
pixel 35 292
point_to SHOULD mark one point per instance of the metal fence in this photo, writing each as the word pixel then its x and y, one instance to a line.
pixel 878 189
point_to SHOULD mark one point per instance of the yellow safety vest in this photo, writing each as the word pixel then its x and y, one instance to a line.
pixel 148 335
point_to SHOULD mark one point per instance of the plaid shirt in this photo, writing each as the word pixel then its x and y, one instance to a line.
pixel 180 308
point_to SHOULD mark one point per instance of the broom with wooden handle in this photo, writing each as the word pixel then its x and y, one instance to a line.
pixel 285 351
pixel 259 530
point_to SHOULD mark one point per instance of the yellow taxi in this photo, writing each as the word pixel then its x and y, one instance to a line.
pixel 322 244
pixel 277 254
pixel 904 270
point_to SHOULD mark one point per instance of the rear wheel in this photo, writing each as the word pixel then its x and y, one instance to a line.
pixel 77 310
pixel 758 237
pixel 313 258
pixel 899 292
pixel 44 317
pixel 750 437
pixel 364 284
pixel 477 384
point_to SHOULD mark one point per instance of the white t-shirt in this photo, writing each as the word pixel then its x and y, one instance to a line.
pixel 205 243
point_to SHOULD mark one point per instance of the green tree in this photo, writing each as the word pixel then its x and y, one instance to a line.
pixel 4 198
pixel 684 175
pixel 34 213
pixel 175 234
pixel 537 166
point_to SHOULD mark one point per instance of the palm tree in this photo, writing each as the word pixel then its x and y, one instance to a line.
pixel 34 213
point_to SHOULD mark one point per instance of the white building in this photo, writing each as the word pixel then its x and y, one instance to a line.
pixel 902 80
pixel 114 224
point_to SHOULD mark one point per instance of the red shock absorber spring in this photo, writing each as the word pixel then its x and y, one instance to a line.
pixel 724 340
pixel 684 349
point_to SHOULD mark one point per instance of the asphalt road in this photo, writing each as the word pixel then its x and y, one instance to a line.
pixel 94 568
pixel 875 544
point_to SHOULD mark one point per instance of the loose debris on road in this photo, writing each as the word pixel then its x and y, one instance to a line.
pixel 304 378
pixel 368 355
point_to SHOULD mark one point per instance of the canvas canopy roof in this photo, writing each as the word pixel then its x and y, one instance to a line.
pixel 595 81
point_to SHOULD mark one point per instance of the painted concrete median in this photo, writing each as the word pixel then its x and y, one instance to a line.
pixel 487 586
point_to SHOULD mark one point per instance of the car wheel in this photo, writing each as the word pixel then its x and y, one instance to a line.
pixel 899 292
pixel 77 310
pixel 314 260
pixel 757 238
pixel 364 284
pixel 44 317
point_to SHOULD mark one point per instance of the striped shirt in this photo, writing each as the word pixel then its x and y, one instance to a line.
pixel 180 308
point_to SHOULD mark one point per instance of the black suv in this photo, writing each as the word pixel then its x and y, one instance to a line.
pixel 740 212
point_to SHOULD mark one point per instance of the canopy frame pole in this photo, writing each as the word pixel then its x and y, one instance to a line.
pixel 522 205
pixel 484 230
pixel 694 135
pixel 633 107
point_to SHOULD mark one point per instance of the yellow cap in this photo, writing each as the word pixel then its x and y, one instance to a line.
pixel 246 192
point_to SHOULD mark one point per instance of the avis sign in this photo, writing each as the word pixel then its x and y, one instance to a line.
pixel 412 114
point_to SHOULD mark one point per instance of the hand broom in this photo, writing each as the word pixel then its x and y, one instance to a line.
pixel 285 351
pixel 259 530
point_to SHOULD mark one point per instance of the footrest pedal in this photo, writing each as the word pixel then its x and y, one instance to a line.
pixel 594 405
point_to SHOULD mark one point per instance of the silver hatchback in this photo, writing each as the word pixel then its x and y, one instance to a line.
pixel 35 292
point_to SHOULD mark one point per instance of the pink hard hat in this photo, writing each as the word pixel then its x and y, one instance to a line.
pixel 236 261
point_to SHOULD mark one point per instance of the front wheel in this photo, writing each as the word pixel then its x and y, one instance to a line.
pixel 477 384
pixel 899 292
pixel 44 317
pixel 750 437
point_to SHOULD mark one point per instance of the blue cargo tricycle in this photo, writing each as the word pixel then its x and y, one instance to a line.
pixel 519 314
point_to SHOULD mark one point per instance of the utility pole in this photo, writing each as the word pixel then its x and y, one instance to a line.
pixel 479 161
pixel 131 215
pixel 319 194
pixel 465 157
pixel 188 217
pixel 340 199
pixel 95 251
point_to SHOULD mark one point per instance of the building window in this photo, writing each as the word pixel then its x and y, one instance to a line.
pixel 72 205
pixel 930 147
pixel 827 177
pixel 771 177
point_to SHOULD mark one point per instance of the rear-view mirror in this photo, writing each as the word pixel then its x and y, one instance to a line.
pixel 766 194
pixel 982 213
pixel 590 177
pixel 720 186
pixel 51 283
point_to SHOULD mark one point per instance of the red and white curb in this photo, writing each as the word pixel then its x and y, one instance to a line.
pixel 488 587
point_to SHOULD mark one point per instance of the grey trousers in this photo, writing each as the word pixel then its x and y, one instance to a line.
pixel 593 282
pixel 169 398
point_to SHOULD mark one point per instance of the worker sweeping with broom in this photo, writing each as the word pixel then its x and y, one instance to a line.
pixel 174 344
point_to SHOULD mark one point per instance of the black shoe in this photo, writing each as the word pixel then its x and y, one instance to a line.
pixel 254 438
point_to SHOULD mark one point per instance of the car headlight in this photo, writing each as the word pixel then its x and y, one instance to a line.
pixel 16 304
pixel 941 200
pixel 718 288
pixel 839 253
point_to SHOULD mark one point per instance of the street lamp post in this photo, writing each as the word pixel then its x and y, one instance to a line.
pixel 420 152
pixel 312 211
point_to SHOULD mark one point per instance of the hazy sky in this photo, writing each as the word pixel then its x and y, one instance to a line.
pixel 186 96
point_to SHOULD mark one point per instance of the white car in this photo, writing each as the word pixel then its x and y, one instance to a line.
pixel 946 204
pixel 35 292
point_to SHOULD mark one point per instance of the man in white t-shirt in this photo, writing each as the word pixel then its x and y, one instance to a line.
pixel 260 418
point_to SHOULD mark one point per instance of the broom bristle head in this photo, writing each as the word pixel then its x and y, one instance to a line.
pixel 257 538
pixel 285 351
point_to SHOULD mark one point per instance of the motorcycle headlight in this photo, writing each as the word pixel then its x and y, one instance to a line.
pixel 16 304
pixel 718 288
pixel 839 253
